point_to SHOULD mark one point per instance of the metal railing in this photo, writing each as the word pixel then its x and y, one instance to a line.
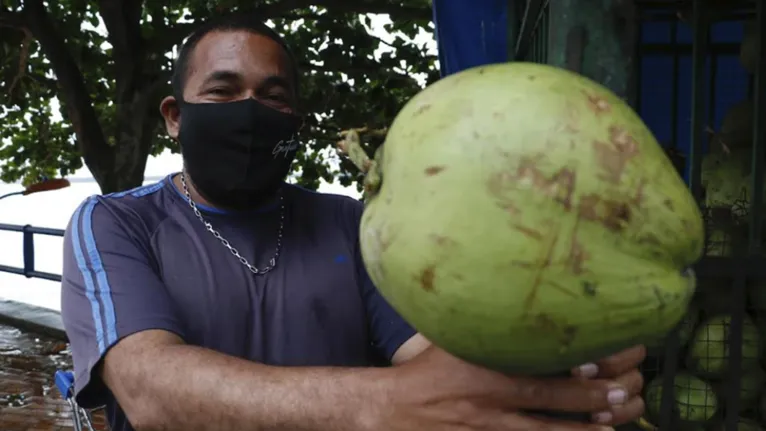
pixel 28 249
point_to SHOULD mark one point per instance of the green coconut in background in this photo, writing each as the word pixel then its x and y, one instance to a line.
pixel 695 401
pixel 708 352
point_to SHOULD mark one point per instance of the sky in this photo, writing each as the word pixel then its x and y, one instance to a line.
pixel 53 210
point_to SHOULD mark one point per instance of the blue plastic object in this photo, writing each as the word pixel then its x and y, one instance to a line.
pixel 470 33
pixel 65 383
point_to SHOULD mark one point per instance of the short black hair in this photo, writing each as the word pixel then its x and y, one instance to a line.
pixel 239 21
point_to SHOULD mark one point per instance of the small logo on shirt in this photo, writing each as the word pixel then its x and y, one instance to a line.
pixel 341 258
pixel 285 147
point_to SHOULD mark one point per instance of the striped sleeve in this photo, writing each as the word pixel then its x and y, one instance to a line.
pixel 109 290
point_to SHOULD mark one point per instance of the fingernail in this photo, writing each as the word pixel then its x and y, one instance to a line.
pixel 588 370
pixel 603 417
pixel 617 396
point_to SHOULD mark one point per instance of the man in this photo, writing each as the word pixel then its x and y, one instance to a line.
pixel 224 299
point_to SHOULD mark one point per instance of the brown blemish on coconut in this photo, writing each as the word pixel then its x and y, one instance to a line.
pixel 443 241
pixel 559 186
pixel 565 333
pixel 597 104
pixel 529 232
pixel 589 288
pixel 385 239
pixel 577 256
pixel 422 108
pixel 562 289
pixel 572 118
pixel 669 204
pixel 650 238
pixel 542 264
pixel 433 170
pixel 661 304
pixel 543 321
pixel 638 196
pixel 427 278
pixel 612 214
pixel 570 332
pixel 613 156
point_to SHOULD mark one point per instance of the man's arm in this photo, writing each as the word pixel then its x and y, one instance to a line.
pixel 163 384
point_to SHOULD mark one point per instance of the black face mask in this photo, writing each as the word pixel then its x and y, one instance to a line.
pixel 237 153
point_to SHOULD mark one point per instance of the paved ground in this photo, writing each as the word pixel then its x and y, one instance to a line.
pixel 29 400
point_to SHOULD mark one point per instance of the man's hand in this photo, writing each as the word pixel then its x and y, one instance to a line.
pixel 622 366
pixel 438 391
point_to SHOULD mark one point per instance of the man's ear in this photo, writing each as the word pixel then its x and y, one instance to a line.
pixel 172 115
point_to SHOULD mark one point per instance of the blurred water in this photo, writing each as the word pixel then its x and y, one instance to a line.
pixel 50 209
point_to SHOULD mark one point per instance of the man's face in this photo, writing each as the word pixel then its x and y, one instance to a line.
pixel 227 66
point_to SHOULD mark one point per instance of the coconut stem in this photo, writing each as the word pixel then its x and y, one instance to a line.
pixel 351 147
pixel 645 425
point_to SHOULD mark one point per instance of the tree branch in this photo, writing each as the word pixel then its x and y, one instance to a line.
pixel 90 138
pixel 122 19
pixel 23 60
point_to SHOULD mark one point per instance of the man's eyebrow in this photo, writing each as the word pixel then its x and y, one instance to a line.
pixel 223 75
pixel 277 81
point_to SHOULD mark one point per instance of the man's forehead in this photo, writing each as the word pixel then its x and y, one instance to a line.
pixel 240 51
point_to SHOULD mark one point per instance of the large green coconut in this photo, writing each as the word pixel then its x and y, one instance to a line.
pixel 695 400
pixel 527 220
pixel 709 348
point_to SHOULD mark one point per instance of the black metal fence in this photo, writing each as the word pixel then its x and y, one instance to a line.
pixel 700 71
pixel 28 250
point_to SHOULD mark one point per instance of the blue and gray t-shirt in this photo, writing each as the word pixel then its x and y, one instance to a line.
pixel 141 260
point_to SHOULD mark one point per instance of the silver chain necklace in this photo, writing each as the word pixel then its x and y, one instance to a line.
pixel 234 251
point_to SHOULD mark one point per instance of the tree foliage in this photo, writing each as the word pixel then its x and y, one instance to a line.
pixel 110 83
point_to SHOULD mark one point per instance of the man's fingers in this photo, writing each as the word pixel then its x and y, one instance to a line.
pixel 612 366
pixel 623 414
pixel 568 395
pixel 516 422
pixel 632 381
pixel 621 362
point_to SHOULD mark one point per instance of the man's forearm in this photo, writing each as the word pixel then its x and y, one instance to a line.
pixel 191 388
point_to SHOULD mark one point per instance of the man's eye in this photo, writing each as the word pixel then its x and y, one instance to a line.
pixel 276 97
pixel 220 91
